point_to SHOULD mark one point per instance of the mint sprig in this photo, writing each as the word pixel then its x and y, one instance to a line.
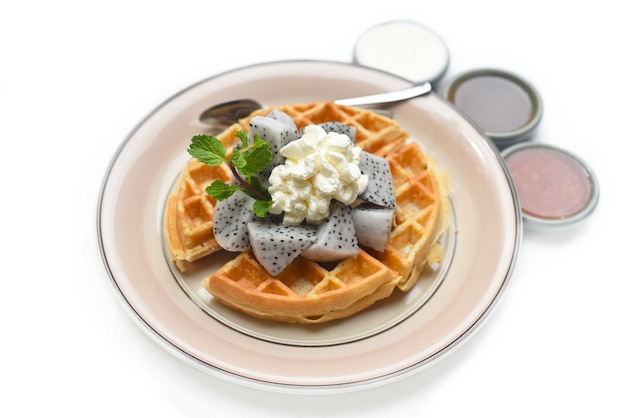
pixel 245 162
pixel 208 149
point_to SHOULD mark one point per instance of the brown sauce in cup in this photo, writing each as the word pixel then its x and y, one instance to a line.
pixel 495 103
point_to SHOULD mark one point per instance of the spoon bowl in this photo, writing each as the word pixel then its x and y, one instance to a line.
pixel 226 113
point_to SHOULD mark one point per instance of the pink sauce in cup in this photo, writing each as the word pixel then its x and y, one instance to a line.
pixel 550 184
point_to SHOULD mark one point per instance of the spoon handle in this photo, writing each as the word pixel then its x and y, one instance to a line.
pixel 387 97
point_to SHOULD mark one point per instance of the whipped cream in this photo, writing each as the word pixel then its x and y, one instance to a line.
pixel 319 166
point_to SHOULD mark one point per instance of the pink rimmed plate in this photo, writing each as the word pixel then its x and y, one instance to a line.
pixel 395 338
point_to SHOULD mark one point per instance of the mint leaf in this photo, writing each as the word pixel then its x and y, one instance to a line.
pixel 207 149
pixel 237 159
pixel 220 190
pixel 243 137
pixel 261 207
pixel 256 157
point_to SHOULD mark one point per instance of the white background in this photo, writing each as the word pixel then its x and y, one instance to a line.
pixel 76 77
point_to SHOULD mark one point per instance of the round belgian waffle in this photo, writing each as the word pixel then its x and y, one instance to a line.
pixel 308 292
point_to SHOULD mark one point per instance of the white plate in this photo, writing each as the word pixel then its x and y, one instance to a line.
pixel 394 339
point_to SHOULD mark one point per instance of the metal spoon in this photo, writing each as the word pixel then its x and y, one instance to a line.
pixel 225 114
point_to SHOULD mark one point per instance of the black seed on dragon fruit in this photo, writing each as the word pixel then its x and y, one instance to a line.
pixel 277 134
pixel 373 225
pixel 336 237
pixel 229 221
pixel 276 245
pixel 379 190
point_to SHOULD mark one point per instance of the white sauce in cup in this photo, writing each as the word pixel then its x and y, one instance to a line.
pixel 403 48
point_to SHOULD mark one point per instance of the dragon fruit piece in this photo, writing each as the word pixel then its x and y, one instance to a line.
pixel 379 190
pixel 277 134
pixel 281 116
pixel 229 221
pixel 336 236
pixel 373 225
pixel 340 128
pixel 276 245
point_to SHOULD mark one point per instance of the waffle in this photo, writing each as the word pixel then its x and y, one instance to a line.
pixel 308 292
pixel 189 209
pixel 422 211
pixel 304 292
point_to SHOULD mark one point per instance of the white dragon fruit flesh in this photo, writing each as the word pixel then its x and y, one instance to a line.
pixel 379 190
pixel 277 134
pixel 336 236
pixel 229 221
pixel 281 116
pixel 276 245
pixel 373 225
